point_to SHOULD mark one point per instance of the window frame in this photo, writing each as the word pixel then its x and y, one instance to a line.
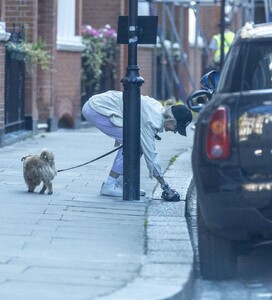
pixel 67 12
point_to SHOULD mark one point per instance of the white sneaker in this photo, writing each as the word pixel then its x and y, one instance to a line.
pixel 111 190
pixel 119 183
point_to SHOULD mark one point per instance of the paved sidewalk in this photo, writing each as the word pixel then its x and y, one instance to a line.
pixel 79 245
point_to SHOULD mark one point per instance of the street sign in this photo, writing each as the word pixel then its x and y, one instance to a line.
pixel 146 30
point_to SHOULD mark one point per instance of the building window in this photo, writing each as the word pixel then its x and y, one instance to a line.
pixel 66 27
pixel 143 8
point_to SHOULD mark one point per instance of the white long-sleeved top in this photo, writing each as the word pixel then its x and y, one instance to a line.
pixel 110 104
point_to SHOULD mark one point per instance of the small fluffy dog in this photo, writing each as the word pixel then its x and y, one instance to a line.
pixel 39 169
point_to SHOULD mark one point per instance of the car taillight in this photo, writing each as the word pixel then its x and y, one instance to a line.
pixel 217 141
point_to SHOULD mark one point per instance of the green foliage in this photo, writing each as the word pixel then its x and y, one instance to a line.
pixel 31 53
pixel 100 50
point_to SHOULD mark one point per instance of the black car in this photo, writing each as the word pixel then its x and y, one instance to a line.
pixel 232 154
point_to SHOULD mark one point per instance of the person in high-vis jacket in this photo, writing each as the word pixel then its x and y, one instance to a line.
pixel 214 56
pixel 105 111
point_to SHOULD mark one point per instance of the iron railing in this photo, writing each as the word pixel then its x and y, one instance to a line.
pixel 14 88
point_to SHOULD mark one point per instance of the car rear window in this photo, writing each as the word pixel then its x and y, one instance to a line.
pixel 248 66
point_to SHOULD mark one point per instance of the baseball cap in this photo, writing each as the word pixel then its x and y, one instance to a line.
pixel 183 117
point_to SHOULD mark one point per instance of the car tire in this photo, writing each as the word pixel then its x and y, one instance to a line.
pixel 218 260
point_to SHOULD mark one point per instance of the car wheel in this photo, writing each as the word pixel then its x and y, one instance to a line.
pixel 218 260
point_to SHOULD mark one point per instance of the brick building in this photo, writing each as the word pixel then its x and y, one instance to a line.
pixel 49 95
pixel 52 98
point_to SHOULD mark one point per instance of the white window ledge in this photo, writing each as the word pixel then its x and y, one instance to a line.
pixel 73 45
pixel 4 36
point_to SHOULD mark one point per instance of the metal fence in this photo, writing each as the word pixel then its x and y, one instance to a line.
pixel 14 90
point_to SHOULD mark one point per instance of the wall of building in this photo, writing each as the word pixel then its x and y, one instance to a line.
pixel 46 79
pixel 59 95
pixel 68 102
pixel 100 12
pixel 54 94
pixel 145 58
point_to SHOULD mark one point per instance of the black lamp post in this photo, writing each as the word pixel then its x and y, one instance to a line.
pixel 133 30
pixel 132 111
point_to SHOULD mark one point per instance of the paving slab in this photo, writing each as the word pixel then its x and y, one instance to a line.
pixel 77 244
